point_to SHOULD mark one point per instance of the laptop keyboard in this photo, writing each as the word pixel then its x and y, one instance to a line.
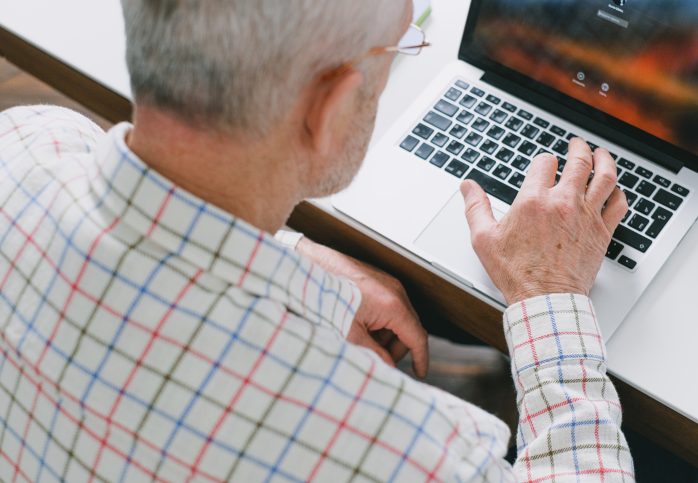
pixel 472 134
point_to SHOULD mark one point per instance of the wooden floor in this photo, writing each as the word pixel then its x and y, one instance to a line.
pixel 477 374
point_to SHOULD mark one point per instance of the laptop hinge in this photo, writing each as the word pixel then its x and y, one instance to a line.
pixel 584 121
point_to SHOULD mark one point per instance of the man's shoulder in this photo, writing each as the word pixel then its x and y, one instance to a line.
pixel 30 125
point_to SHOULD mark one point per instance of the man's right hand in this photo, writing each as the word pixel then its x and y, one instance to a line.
pixel 555 237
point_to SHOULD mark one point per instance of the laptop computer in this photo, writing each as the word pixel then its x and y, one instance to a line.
pixel 619 74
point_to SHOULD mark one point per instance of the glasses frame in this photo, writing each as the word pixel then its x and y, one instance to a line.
pixel 376 51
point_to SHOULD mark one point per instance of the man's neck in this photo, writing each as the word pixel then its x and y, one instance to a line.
pixel 231 174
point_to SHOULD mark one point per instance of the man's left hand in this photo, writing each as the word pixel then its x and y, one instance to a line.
pixel 386 322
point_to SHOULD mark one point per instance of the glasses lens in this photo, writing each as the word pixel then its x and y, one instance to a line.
pixel 412 41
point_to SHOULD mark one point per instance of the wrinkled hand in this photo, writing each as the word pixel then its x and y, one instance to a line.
pixel 386 321
pixel 554 238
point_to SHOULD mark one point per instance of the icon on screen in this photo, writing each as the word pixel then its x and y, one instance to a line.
pixel 605 87
pixel 581 76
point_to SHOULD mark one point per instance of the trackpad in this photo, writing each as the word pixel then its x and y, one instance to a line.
pixel 445 242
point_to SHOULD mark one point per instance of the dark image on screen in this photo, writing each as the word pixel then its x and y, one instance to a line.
pixel 636 60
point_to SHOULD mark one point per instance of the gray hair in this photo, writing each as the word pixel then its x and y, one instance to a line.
pixel 240 64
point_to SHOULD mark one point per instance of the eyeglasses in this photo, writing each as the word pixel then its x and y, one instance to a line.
pixel 412 43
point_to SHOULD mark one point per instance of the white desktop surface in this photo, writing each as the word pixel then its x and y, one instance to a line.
pixel 656 348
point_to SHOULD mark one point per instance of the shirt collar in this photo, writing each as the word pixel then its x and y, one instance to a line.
pixel 214 240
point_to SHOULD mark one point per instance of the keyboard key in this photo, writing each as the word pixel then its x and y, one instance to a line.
pixel 525 114
pixel 558 130
pixel 680 190
pixel 593 146
pixel 530 131
pixel 439 159
pixel 561 163
pixel 614 250
pixel 453 94
pixel 440 139
pixel 480 124
pixel 496 132
pixel 571 136
pixel 663 197
pixel 493 99
pixel 423 131
pixel 662 181
pixel 465 117
pixel 483 109
pixel 514 123
pixel 438 121
pixel 486 164
pixel 645 207
pixel 409 143
pixel 517 180
pixel 521 163
pixel 527 148
pixel 561 147
pixel 627 262
pixel 541 122
pixel 624 163
pixel 457 169
pixel 458 131
pixel 473 139
pixel 468 101
pixel 630 196
pixel 489 146
pixel 477 92
pixel 645 188
pixel 511 140
pixel 446 108
pixel 656 228
pixel 660 219
pixel 613 155
pixel 462 85
pixel 635 240
pixel 470 155
pixel 509 107
pixel 543 151
pixel 662 215
pixel 645 173
pixel 505 155
pixel 546 139
pixel 639 222
pixel 499 116
pixel 502 172
pixel 628 180
pixel 455 148
pixel 424 151
pixel 626 216
pixel 494 187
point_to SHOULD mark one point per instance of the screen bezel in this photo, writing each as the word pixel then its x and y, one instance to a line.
pixel 481 61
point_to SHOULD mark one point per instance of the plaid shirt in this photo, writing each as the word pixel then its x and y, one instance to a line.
pixel 147 335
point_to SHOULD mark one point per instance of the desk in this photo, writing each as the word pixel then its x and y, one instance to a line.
pixel 654 348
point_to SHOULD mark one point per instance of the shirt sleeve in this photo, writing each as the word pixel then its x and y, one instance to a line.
pixel 569 412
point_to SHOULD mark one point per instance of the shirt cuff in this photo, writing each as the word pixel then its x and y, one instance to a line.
pixel 289 239
pixel 551 329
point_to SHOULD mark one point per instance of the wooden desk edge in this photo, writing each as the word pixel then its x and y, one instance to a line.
pixel 432 296
pixel 73 83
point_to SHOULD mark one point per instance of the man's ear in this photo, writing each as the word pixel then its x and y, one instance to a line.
pixel 327 101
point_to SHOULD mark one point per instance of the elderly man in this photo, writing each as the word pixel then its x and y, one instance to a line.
pixel 153 329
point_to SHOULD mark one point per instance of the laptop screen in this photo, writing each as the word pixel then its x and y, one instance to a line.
pixel 634 60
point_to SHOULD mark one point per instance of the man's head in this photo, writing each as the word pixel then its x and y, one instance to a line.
pixel 269 71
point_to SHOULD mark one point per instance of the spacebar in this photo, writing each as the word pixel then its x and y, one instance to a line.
pixel 493 187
